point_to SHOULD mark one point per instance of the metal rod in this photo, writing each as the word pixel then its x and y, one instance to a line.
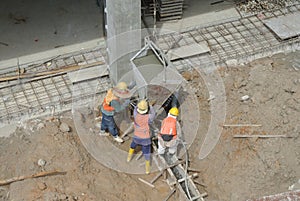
pixel 170 194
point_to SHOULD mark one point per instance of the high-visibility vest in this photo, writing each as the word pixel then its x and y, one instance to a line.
pixel 106 106
pixel 168 127
pixel 141 126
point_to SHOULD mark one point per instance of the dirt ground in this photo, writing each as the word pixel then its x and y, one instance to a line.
pixel 237 168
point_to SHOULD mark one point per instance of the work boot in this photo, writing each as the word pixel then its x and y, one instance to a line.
pixel 103 133
pixel 147 166
pixel 130 153
pixel 118 139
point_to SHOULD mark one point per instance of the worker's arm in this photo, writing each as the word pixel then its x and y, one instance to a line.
pixel 118 106
pixel 151 115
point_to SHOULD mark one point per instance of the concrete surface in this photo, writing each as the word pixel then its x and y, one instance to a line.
pixel 33 26
pixel 32 30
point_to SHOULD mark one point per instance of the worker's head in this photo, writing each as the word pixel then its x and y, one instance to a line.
pixel 122 86
pixel 142 107
pixel 121 90
pixel 174 111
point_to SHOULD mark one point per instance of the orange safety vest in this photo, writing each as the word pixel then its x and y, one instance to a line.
pixel 168 127
pixel 141 126
pixel 106 106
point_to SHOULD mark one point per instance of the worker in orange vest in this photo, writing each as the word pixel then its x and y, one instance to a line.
pixel 116 100
pixel 143 116
pixel 167 138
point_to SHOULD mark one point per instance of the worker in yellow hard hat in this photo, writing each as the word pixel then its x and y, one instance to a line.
pixel 143 116
pixel 167 138
pixel 116 100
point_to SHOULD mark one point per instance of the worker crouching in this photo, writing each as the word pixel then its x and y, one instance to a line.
pixel 167 138
pixel 143 116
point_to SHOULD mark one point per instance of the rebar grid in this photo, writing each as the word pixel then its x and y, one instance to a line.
pixel 235 40
pixel 37 96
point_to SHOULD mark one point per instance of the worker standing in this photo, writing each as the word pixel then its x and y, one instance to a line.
pixel 116 100
pixel 143 116
pixel 167 138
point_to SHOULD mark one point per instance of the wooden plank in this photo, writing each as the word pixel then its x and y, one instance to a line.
pixel 51 72
pixel 40 174
pixel 170 18
pixel 169 14
pixel 261 136
pixel 242 125
pixel 170 194
pixel 170 9
pixel 146 182
pixel 156 177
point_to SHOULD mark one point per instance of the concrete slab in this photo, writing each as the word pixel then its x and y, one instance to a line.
pixel 286 26
pixel 88 73
pixel 188 51
pixel 33 26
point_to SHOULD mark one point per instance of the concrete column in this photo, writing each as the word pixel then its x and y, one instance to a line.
pixel 123 36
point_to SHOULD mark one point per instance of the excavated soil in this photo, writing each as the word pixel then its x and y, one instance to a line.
pixel 237 168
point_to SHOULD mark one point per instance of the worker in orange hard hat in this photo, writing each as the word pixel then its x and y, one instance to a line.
pixel 116 100
pixel 167 138
pixel 143 116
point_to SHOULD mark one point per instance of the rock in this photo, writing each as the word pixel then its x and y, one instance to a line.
pixel 62 197
pixel 295 186
pixel 41 185
pixel 40 126
pixel 231 62
pixel 245 98
pixel 240 82
pixel 285 121
pixel 211 96
pixel 187 75
pixel 41 162
pixel 64 127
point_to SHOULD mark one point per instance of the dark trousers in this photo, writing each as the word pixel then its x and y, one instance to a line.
pixel 108 123
pixel 146 149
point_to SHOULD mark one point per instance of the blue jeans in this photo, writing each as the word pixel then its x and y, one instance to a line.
pixel 108 123
pixel 146 149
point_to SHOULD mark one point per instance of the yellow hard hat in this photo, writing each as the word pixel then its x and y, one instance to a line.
pixel 142 107
pixel 121 90
pixel 122 86
pixel 174 111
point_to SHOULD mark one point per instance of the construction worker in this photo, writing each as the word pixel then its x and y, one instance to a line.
pixel 143 116
pixel 116 100
pixel 168 133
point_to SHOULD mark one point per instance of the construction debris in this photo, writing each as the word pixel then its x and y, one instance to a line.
pixel 242 125
pixel 169 9
pixel 40 174
pixel 47 73
pixel 146 182
pixel 261 136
